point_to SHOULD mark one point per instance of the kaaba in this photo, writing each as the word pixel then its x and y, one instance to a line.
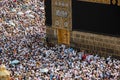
pixel 91 17
pixel 96 17
pixel 48 12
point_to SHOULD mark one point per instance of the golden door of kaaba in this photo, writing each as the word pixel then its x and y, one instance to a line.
pixel 63 36
pixel 62 20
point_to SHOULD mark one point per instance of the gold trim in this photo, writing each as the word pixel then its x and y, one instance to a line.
pixel 97 1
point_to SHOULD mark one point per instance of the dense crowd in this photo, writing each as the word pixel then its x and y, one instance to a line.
pixel 22 23
pixel 40 62
pixel 20 17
